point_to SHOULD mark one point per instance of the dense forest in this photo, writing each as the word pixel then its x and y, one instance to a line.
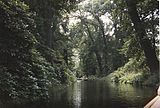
pixel 45 44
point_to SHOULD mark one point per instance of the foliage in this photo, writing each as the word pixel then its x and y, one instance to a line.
pixel 40 48
pixel 16 44
pixel 134 72
pixel 93 77
pixel 28 68
pixel 98 49
pixel 136 69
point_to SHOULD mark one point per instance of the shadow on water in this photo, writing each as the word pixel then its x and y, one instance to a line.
pixel 98 94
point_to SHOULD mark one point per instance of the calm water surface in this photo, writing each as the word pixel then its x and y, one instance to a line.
pixel 98 94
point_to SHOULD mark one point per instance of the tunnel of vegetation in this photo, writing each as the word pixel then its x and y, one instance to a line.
pixel 48 43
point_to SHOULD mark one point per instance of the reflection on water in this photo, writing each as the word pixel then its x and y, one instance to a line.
pixel 97 94
pixel 77 95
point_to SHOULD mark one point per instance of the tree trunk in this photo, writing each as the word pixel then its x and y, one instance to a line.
pixel 149 50
pixel 66 56
pixel 99 60
pixel 105 67
pixel 98 57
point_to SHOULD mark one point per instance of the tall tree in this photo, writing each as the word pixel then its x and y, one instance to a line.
pixel 140 32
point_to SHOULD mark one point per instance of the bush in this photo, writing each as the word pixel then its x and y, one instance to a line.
pixel 134 72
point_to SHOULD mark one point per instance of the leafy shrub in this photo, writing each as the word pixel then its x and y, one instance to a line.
pixel 133 72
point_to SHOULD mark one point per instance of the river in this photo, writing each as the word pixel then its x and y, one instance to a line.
pixel 99 94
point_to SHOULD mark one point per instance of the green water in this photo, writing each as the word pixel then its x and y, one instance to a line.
pixel 97 94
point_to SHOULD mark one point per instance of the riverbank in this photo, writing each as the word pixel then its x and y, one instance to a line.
pixel 134 78
pixel 139 78
pixel 134 72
